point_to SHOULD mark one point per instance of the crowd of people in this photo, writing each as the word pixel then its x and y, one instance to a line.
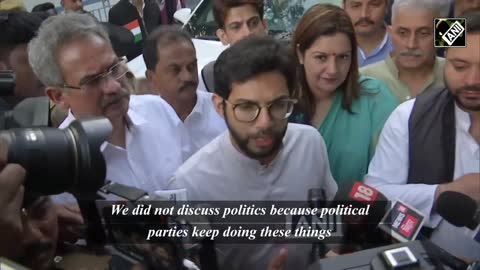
pixel 349 98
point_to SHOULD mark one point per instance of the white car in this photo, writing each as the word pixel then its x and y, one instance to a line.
pixel 282 16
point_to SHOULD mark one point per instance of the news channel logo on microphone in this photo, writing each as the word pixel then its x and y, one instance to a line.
pixel 450 32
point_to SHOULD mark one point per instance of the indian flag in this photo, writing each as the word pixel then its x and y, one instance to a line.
pixel 134 27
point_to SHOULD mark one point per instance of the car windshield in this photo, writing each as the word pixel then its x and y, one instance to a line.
pixel 281 15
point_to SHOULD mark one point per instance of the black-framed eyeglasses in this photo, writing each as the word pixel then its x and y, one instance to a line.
pixel 117 71
pixel 249 111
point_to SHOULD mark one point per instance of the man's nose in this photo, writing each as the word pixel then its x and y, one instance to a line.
pixel 186 75
pixel 473 76
pixel 412 41
pixel 245 30
pixel 110 85
pixel 365 11
pixel 264 120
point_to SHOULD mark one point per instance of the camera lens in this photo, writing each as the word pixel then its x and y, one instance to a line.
pixel 59 160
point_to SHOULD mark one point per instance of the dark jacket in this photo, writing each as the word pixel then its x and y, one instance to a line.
pixel 432 138
pixel 125 14
pixel 157 12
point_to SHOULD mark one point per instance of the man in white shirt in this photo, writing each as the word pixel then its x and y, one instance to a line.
pixel 431 145
pixel 171 63
pixel 73 58
pixel 261 157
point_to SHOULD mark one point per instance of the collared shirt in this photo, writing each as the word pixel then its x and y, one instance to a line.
pixel 201 126
pixel 387 71
pixel 219 171
pixel 379 54
pixel 153 149
pixel 388 171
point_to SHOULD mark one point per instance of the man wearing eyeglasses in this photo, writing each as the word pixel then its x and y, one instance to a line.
pixel 261 157
pixel 74 59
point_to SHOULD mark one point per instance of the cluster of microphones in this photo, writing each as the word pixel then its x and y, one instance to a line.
pixel 392 235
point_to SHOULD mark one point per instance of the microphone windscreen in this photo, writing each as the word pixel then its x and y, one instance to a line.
pixel 360 195
pixel 456 208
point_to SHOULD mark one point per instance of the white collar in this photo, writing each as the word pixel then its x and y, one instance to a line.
pixel 134 118
pixel 382 44
pixel 462 119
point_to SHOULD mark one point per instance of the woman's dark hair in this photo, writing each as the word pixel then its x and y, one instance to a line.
pixel 324 20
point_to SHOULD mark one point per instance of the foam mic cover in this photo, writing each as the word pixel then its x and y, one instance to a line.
pixel 458 209
pixel 360 232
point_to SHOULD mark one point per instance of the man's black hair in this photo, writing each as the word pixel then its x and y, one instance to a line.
pixel 472 17
pixel 17 27
pixel 43 7
pixel 162 36
pixel 249 58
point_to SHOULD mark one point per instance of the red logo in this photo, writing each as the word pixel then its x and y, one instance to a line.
pixel 409 225
pixel 362 192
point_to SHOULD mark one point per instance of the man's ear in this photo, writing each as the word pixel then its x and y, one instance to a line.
pixel 389 30
pixel 265 25
pixel 299 54
pixel 57 95
pixel 152 80
pixel 222 36
pixel 219 104
pixel 150 75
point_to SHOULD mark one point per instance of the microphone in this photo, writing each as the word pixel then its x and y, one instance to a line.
pixel 317 198
pixel 360 232
pixel 404 224
pixel 469 216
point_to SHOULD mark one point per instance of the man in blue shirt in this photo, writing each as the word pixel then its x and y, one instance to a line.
pixel 374 43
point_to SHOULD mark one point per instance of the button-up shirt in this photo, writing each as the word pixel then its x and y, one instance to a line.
pixel 379 54
pixel 201 126
pixel 388 172
pixel 152 150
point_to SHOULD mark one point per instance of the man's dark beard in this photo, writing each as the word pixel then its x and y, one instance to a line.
pixel 243 143
pixel 465 88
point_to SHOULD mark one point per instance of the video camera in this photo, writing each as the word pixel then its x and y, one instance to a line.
pixel 56 160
